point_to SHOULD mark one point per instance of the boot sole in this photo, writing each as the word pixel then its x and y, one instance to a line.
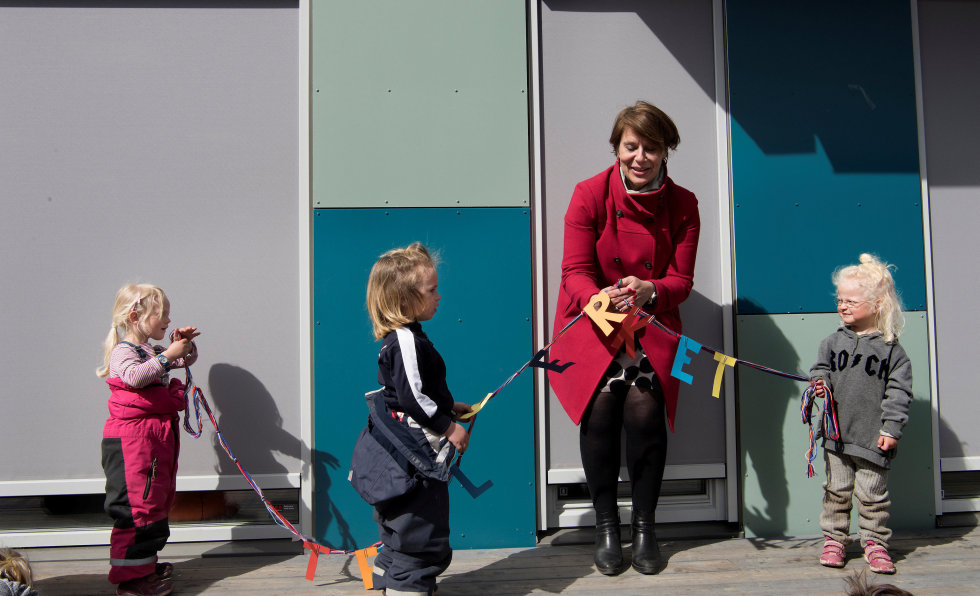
pixel 654 570
pixel 613 570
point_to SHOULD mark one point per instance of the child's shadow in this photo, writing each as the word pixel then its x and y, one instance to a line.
pixel 250 422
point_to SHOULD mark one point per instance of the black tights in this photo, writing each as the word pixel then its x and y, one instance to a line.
pixel 642 414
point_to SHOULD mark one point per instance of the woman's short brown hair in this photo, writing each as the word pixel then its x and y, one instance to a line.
pixel 649 122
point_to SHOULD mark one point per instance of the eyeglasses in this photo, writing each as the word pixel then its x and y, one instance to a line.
pixel 850 303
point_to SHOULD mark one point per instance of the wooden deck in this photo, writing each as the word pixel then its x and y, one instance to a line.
pixel 946 561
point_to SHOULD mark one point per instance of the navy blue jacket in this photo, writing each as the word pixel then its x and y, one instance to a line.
pixel 413 378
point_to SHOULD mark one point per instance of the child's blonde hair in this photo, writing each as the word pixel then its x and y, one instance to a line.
pixel 875 279
pixel 144 300
pixel 14 567
pixel 394 298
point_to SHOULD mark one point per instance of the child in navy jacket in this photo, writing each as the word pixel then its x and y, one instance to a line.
pixel 402 292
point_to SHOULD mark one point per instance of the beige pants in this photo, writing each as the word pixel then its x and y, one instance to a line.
pixel 849 477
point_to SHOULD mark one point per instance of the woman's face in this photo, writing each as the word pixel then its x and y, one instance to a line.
pixel 639 159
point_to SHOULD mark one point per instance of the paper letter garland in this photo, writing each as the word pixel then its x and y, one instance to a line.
pixel 597 311
pixel 723 361
pixel 629 324
pixel 681 358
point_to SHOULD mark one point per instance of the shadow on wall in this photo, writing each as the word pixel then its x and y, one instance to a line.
pixel 244 407
pixel 252 425
pixel 764 402
pixel 700 419
pixel 841 74
pixel 910 481
pixel 692 51
pixel 328 514
pixel 952 446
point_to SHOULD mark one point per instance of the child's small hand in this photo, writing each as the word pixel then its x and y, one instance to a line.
pixel 886 443
pixel 179 348
pixel 458 436
pixel 459 408
pixel 188 333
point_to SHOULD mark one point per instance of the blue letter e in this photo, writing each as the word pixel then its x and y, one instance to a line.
pixel 681 358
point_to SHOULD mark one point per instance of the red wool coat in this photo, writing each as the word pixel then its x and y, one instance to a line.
pixel 610 234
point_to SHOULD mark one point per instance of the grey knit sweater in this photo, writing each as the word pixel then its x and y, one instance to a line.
pixel 9 588
pixel 872 385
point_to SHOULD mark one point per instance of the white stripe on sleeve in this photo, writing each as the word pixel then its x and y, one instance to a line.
pixel 406 343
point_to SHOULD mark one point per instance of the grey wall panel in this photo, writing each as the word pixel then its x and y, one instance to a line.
pixel 149 143
pixel 598 57
pixel 950 55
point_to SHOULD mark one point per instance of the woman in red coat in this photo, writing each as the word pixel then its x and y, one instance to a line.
pixel 632 233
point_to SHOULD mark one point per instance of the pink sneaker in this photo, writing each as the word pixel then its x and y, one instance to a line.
pixel 877 557
pixel 151 585
pixel 164 570
pixel 833 554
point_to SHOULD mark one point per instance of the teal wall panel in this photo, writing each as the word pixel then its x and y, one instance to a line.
pixel 778 499
pixel 824 149
pixel 420 104
pixel 483 331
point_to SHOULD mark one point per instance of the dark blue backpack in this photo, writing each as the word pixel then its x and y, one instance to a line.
pixel 387 461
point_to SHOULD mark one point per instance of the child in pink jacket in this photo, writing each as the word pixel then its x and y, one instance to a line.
pixel 140 441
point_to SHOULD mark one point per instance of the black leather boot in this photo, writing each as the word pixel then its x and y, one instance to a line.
pixel 608 549
pixel 646 553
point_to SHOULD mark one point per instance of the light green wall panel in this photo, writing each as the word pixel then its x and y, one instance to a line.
pixel 777 497
pixel 420 104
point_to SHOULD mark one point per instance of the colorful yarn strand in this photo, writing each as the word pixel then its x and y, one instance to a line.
pixel 194 394
pixel 517 373
pixel 830 423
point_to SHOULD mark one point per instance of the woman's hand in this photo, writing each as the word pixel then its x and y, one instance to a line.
pixel 819 388
pixel 458 436
pixel 631 291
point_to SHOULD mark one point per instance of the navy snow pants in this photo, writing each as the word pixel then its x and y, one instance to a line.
pixel 414 529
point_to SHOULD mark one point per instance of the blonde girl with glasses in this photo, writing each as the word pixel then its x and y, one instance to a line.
pixel 140 441
pixel 870 379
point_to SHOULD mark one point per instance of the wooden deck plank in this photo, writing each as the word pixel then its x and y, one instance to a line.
pixel 945 563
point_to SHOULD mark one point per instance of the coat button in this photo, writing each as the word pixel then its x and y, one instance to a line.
pixel 619 213
pixel 648 265
pixel 618 260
